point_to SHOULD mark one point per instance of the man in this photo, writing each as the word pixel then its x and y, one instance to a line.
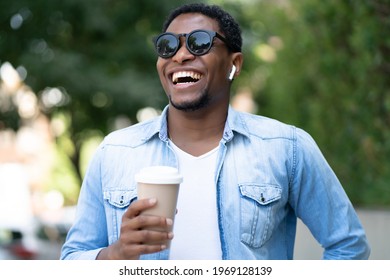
pixel 246 178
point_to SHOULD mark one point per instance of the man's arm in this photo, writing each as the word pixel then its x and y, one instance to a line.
pixel 321 203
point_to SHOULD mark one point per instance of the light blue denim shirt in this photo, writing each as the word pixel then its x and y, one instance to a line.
pixel 268 174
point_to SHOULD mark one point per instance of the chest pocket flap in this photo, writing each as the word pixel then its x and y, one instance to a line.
pixel 262 194
pixel 119 198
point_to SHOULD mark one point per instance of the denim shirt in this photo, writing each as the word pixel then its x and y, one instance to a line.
pixel 268 174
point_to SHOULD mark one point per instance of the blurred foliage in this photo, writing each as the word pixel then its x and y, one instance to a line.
pixel 325 66
pixel 98 52
pixel 320 65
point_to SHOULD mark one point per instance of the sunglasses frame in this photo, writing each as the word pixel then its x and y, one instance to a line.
pixel 212 35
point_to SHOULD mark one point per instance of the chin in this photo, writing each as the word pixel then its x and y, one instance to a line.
pixel 191 106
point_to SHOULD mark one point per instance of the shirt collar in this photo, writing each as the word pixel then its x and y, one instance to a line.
pixel 235 123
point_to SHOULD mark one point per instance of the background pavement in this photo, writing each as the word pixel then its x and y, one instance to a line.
pixel 376 224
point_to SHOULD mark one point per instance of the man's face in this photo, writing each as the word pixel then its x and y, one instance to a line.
pixel 209 84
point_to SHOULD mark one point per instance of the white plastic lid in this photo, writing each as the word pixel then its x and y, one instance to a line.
pixel 159 175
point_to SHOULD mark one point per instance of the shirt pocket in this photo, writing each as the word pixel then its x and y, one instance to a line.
pixel 119 198
pixel 257 217
pixel 116 203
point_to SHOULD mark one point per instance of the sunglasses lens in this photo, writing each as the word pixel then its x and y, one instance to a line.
pixel 199 42
pixel 166 45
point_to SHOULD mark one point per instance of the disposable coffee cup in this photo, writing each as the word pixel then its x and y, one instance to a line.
pixel 162 183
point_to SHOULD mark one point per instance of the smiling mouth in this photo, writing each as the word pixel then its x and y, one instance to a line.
pixel 185 77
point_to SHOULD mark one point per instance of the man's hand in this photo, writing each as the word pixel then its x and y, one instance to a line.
pixel 135 239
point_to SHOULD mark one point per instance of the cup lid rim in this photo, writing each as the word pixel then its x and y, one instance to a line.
pixel 159 175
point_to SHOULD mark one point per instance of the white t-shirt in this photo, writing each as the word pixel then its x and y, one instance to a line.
pixel 196 233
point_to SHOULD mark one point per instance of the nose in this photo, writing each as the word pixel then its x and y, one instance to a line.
pixel 182 53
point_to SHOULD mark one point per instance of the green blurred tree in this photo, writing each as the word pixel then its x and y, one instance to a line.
pixel 327 70
pixel 97 52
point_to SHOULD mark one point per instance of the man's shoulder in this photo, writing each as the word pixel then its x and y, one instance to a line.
pixel 266 127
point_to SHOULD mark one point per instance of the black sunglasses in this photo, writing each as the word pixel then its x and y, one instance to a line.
pixel 198 42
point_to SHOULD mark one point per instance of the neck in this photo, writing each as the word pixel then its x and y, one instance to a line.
pixel 197 132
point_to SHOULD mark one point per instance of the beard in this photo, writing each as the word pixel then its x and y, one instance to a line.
pixel 193 105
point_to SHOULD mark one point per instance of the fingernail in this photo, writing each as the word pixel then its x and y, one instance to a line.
pixel 163 247
pixel 152 200
pixel 169 222
pixel 170 235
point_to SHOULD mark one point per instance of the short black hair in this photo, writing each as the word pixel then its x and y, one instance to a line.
pixel 227 24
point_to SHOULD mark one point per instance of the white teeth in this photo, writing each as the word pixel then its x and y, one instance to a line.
pixel 184 74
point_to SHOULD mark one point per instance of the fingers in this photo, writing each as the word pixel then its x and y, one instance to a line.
pixel 146 237
pixel 148 221
pixel 132 220
pixel 142 234
pixel 145 241
pixel 145 229
pixel 138 206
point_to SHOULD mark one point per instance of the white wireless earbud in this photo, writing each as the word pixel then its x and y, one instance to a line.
pixel 231 75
